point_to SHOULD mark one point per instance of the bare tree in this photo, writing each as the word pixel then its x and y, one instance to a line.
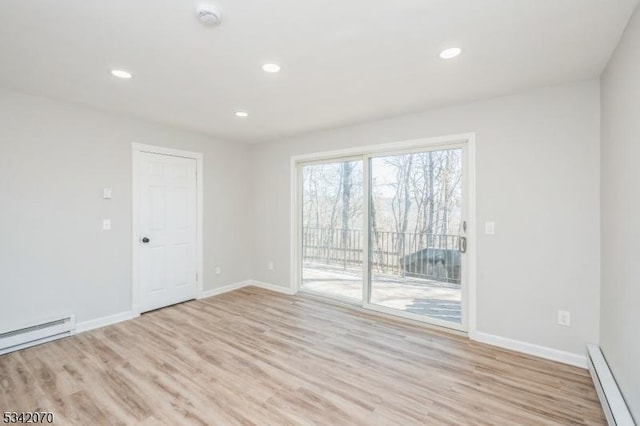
pixel 347 168
pixel 415 202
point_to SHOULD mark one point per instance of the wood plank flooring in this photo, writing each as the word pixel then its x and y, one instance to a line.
pixel 256 357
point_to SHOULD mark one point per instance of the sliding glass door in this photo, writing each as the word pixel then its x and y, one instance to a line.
pixel 332 237
pixel 416 233
pixel 388 231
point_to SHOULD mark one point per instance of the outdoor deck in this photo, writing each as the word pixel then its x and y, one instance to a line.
pixel 432 298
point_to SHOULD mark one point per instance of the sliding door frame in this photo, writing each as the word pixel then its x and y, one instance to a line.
pixel 365 153
pixel 297 262
pixel 366 301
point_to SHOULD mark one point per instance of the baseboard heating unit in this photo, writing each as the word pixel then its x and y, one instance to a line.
pixel 36 333
pixel 613 404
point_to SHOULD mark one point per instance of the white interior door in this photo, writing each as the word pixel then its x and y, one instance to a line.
pixel 167 225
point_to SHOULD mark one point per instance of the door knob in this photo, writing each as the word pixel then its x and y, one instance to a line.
pixel 145 240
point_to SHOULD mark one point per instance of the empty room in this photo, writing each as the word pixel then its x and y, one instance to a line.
pixel 321 212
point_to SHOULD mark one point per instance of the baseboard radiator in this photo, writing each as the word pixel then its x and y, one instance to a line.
pixel 37 333
pixel 613 405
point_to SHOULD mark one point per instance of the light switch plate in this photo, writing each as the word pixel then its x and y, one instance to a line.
pixel 106 224
pixel 564 318
pixel 107 193
pixel 490 228
pixel 218 270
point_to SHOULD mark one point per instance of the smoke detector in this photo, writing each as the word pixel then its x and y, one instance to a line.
pixel 208 15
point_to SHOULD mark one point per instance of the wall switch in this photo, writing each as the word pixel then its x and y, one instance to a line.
pixel 107 193
pixel 564 318
pixel 218 270
pixel 270 265
pixel 106 224
pixel 490 228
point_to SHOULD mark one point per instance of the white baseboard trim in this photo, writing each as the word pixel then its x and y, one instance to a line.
pixel 104 321
pixel 272 287
pixel 223 289
pixel 531 349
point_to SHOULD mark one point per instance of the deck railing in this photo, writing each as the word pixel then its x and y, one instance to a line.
pixel 419 255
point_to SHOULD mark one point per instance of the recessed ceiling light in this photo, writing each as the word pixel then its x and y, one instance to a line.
pixel 271 67
pixel 121 74
pixel 242 114
pixel 450 53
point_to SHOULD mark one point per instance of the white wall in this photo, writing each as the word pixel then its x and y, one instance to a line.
pixel 537 178
pixel 55 158
pixel 620 311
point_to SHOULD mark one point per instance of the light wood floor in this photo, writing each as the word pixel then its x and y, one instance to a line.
pixel 256 357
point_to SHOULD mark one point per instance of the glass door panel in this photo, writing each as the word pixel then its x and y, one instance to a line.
pixel 416 234
pixel 332 236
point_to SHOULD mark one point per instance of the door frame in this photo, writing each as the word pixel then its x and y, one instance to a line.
pixel 136 150
pixel 365 152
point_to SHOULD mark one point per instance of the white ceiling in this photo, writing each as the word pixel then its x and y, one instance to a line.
pixel 343 61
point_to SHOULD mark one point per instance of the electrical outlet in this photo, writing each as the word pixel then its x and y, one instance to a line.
pixel 270 265
pixel 218 270
pixel 564 318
